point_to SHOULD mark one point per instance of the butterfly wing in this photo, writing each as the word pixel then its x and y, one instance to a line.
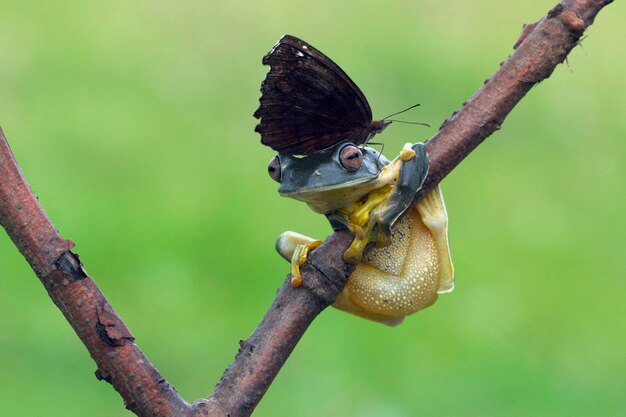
pixel 308 103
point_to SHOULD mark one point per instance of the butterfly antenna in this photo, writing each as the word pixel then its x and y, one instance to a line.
pixel 382 148
pixel 409 123
pixel 407 109
pixel 381 144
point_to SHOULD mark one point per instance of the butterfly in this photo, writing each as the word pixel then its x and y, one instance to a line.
pixel 308 103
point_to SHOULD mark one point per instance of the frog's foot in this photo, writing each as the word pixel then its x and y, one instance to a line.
pixel 299 258
pixel 366 224
pixel 295 247
pixel 432 210
pixel 407 153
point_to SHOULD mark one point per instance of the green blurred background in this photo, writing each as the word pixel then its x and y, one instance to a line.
pixel 132 122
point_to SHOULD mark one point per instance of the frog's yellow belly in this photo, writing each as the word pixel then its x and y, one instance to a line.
pixel 405 276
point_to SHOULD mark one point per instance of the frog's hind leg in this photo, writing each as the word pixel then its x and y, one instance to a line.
pixel 432 210
pixel 295 248
pixel 396 280
pixel 345 303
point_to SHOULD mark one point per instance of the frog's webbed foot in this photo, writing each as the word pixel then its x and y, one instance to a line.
pixel 432 210
pixel 295 248
pixel 372 221
pixel 299 258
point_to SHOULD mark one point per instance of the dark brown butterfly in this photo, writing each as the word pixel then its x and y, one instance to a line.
pixel 308 103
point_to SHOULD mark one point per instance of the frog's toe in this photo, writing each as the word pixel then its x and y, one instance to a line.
pixel 377 229
pixel 355 252
pixel 295 247
pixel 383 234
pixel 300 256
pixel 380 224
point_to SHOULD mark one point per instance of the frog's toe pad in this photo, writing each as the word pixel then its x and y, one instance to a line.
pixel 407 153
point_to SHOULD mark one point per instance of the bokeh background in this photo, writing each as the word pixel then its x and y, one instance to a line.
pixel 132 122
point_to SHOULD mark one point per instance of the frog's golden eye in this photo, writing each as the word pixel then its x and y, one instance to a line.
pixel 274 169
pixel 351 157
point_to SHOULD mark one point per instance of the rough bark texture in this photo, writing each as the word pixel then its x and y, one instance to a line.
pixel 121 363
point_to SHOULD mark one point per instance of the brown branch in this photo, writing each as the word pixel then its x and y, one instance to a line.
pixel 121 363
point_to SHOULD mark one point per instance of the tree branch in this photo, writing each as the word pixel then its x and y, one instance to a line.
pixel 120 362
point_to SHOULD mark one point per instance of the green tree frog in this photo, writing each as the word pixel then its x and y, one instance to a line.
pixel 360 190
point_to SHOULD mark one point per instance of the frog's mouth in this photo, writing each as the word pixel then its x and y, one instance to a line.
pixel 327 198
pixel 295 191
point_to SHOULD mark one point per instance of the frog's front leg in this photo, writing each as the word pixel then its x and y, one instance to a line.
pixel 383 207
pixel 413 172
pixel 295 248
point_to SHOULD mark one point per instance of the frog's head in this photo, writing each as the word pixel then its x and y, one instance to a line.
pixel 329 179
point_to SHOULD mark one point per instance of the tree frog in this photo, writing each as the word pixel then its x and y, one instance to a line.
pixel 358 189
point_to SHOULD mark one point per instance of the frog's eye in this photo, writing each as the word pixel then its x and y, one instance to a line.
pixel 274 168
pixel 351 157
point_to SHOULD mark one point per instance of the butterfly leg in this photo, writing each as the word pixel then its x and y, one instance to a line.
pixel 295 248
